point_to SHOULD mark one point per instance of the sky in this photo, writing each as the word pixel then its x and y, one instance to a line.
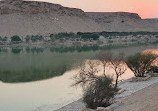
pixel 145 8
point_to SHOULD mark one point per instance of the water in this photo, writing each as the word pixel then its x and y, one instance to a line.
pixel 39 79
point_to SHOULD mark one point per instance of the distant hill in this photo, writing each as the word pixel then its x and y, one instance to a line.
pixel 123 21
pixel 19 17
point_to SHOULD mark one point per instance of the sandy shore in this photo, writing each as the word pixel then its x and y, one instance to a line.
pixel 139 96
pixel 143 100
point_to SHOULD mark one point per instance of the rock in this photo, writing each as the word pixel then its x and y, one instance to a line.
pixel 135 79
pixel 102 109
pixel 88 110
pixel 34 7
pixel 121 91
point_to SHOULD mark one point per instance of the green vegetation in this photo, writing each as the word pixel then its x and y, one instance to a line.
pixel 27 38
pixel 88 35
pixel 15 38
pixel 95 35
pixel 153 69
pixel 35 38
pixel 62 35
pixel 108 34
pixel 85 36
pixel 3 39
pixel 140 63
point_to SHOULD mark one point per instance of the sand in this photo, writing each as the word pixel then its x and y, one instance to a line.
pixel 143 100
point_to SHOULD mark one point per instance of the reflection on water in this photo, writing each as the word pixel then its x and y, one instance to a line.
pixel 53 67
pixel 45 95
pixel 16 50
pixel 31 64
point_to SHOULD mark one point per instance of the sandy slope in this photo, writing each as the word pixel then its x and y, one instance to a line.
pixel 44 24
pixel 32 17
pixel 123 21
pixel 143 100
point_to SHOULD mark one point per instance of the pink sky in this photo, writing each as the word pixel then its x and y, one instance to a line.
pixel 145 8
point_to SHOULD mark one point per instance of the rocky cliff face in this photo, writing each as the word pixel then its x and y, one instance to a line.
pixel 121 21
pixel 34 7
pixel 111 16
pixel 19 17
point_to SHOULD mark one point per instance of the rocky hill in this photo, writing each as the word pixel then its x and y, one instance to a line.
pixel 19 17
pixel 34 7
pixel 23 18
pixel 123 21
pixel 153 23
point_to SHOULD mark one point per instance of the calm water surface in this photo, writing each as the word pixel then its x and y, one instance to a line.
pixel 34 79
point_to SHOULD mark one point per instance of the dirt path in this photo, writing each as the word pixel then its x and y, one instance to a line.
pixel 143 100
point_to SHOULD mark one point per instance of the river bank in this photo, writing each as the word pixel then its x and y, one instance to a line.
pixel 81 39
pixel 132 92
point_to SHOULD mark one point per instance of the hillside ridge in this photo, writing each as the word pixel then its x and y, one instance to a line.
pixel 35 7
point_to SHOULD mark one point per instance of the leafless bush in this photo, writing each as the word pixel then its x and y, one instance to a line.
pixel 104 57
pixel 98 90
pixel 87 73
pixel 118 65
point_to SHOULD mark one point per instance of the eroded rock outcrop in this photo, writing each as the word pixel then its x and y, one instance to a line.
pixel 34 7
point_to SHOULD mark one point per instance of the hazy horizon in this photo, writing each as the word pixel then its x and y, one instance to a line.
pixel 145 8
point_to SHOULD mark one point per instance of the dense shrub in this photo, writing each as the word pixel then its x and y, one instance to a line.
pixel 153 69
pixel 51 35
pixel 99 93
pixel 15 38
pixel 64 34
pixel 107 34
pixel 93 36
pixel 4 39
pixel 34 38
pixel 27 38
pixel 140 63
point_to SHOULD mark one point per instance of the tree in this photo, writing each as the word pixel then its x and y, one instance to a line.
pixel 98 90
pixel 104 57
pixel 140 63
pixel 15 38
pixel 4 39
pixel 27 38
pixel 87 74
pixel 118 65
